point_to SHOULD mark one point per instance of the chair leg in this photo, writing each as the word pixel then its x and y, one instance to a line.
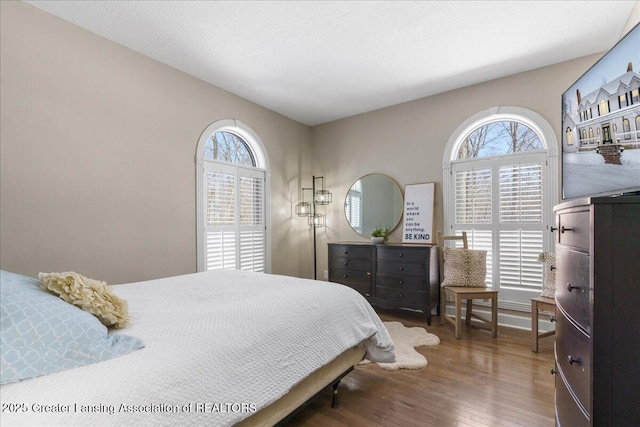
pixel 494 316
pixel 458 316
pixel 467 320
pixel 534 326
pixel 443 305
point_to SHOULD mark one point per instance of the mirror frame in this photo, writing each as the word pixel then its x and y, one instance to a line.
pixel 392 226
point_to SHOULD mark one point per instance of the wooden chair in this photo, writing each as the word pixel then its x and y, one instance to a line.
pixel 540 304
pixel 468 294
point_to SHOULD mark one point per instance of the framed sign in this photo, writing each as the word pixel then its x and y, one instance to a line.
pixel 418 213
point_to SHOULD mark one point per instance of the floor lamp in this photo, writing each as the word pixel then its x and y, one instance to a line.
pixel 320 196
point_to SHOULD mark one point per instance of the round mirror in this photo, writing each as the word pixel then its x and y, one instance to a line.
pixel 373 200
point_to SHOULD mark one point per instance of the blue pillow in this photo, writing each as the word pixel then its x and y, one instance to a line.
pixel 42 334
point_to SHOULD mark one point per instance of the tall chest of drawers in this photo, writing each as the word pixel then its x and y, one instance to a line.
pixel 597 347
pixel 389 276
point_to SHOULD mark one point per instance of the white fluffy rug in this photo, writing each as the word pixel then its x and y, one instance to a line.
pixel 404 340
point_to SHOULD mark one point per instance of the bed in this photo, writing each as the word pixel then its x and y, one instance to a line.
pixel 219 348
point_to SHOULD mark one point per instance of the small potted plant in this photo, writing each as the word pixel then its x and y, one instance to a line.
pixel 380 234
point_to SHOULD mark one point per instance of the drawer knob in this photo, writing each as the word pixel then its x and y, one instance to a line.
pixel 346 263
pixel 571 360
pixel 570 287
pixel 401 282
pixel 553 371
pixel 367 294
pixel 401 295
pixel 552 267
pixel 563 229
pixel 401 268
pixel 552 229
pixel 552 319
pixel 368 273
pixel 346 276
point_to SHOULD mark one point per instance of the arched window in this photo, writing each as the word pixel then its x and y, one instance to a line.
pixel 232 199
pixel 626 128
pixel 500 179
pixel 226 146
pixel 637 126
pixel 569 134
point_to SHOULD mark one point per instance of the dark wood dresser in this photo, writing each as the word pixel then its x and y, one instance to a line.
pixel 389 276
pixel 597 347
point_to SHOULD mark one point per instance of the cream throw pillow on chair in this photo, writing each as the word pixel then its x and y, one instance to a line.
pixel 549 274
pixel 465 267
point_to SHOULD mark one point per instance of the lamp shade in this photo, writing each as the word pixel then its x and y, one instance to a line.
pixel 317 220
pixel 323 197
pixel 303 209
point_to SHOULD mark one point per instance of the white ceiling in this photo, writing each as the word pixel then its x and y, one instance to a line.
pixel 318 61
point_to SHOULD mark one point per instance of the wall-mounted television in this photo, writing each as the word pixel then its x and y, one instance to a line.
pixel 601 125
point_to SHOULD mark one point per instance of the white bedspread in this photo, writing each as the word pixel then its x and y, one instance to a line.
pixel 218 345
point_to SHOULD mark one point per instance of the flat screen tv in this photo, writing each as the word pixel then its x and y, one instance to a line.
pixel 601 125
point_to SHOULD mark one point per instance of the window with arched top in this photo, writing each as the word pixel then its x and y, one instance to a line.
pixel 227 146
pixel 232 199
pixel 626 128
pixel 569 135
pixel 637 126
pixel 500 178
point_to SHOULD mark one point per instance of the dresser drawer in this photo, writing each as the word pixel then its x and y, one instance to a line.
pixel 351 263
pixel 402 268
pixel 402 254
pixel 568 413
pixel 573 352
pixel 358 280
pixel 400 296
pixel 390 276
pixel 572 285
pixel 351 251
pixel 573 229
pixel 408 283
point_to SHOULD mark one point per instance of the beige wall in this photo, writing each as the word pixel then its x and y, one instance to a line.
pixel 98 142
pixel 97 156
pixel 407 141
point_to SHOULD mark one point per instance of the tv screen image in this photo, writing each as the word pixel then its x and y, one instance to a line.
pixel 601 125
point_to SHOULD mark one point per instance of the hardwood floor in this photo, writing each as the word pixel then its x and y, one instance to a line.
pixel 474 381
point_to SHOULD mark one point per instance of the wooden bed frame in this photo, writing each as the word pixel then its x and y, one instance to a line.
pixel 301 394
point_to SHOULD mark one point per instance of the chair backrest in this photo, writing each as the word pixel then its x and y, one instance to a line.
pixel 442 240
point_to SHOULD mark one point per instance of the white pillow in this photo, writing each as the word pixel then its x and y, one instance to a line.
pixel 464 267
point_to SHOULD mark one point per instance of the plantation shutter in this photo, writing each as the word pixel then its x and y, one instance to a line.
pixel 251 229
pixel 474 208
pixel 499 203
pixel 521 231
pixel 235 235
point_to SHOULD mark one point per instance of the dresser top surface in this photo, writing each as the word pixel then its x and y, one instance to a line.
pixel 383 245
pixel 584 201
